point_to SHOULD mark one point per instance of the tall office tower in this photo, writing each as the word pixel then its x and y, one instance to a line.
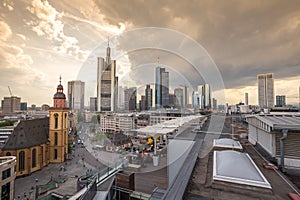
pixel 185 100
pixel 195 99
pixel 178 96
pixel 161 87
pixel 130 99
pixel 200 97
pixel 148 96
pixel 11 104
pixel 246 99
pixel 204 96
pixel 76 95
pixel 107 83
pixel 142 103
pixel 280 101
pixel 121 98
pixel 207 96
pixel 93 104
pixel 58 127
pixel 215 104
pixel 265 90
pixel 171 100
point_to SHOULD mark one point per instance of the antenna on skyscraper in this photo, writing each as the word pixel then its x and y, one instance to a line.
pixel 158 60
pixel 108 41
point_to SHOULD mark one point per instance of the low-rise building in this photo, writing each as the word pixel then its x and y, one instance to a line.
pixel 7 177
pixel 279 135
pixel 29 144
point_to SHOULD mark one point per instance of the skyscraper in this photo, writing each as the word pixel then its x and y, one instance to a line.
pixel 130 99
pixel 178 93
pixel 121 98
pixel 246 99
pixel 215 104
pixel 185 95
pixel 207 96
pixel 107 83
pixel 161 87
pixel 93 104
pixel 76 95
pixel 265 90
pixel 204 96
pixel 148 96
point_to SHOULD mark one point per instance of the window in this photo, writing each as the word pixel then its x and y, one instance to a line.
pixel 33 158
pixel 55 138
pixel 6 174
pixel 21 161
pixel 55 154
pixel 55 120
pixel 5 191
pixel 8 154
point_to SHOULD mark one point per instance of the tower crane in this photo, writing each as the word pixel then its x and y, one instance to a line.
pixel 10 91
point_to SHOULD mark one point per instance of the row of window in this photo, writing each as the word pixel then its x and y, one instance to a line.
pixel 56 120
pixel 33 159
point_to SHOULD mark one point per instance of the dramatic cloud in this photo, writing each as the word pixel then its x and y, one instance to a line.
pixel 8 4
pixel 5 31
pixel 50 25
pixel 244 38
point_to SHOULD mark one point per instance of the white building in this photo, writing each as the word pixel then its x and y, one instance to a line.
pixel 279 135
pixel 7 177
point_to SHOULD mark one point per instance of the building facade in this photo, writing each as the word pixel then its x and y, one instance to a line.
pixel 107 83
pixel 179 97
pixel 161 87
pixel 202 97
pixel 76 95
pixel 58 127
pixel 246 99
pixel 7 177
pixel 266 90
pixel 10 105
pixel 130 96
pixel 148 96
pixel 280 101
pixel 5 132
pixel 29 144
pixel 93 104
pixel 278 135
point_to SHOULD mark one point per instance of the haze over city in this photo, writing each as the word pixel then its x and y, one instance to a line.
pixel 41 40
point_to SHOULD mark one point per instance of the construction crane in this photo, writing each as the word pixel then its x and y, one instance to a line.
pixel 10 91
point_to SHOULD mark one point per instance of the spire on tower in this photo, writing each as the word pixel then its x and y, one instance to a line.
pixel 108 41
pixel 158 60
pixel 60 80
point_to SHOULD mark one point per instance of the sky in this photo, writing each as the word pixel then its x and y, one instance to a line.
pixel 41 40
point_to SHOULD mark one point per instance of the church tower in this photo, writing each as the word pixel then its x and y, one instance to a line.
pixel 58 127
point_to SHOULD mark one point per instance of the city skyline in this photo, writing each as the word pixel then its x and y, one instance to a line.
pixel 41 40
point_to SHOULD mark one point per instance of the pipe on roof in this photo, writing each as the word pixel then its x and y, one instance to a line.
pixel 284 136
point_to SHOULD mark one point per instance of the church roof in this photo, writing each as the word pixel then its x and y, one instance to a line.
pixel 59 95
pixel 28 133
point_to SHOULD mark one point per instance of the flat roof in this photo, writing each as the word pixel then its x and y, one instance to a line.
pixel 280 121
pixel 166 127
pixel 227 143
pixel 239 168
